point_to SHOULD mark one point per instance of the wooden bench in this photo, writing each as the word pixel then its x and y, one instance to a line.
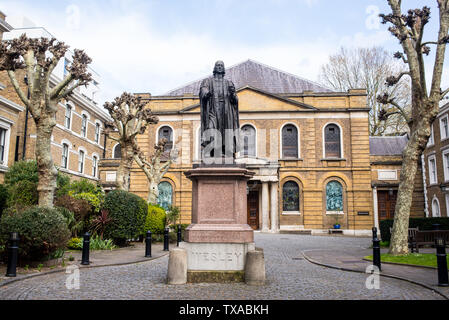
pixel 411 235
pixel 423 238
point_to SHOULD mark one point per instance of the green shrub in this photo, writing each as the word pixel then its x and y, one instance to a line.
pixel 81 210
pixel 22 170
pixel 22 194
pixel 42 232
pixel 75 244
pixel 128 212
pixel 91 198
pixel 63 182
pixel 86 190
pixel 96 243
pixel 421 223
pixel 155 219
pixel 172 215
pixel 3 198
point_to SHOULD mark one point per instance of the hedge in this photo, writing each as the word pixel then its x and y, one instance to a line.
pixel 421 223
pixel 155 220
pixel 128 212
pixel 42 232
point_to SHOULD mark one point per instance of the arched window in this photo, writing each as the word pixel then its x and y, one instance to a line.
pixel 435 208
pixel 84 125
pixel 94 166
pixel 68 116
pixel 166 132
pixel 332 144
pixel 81 161
pixel 334 197
pixel 290 197
pixel 249 140
pixel 289 141
pixel 165 195
pixel 117 154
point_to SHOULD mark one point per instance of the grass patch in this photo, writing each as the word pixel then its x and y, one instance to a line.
pixel 417 259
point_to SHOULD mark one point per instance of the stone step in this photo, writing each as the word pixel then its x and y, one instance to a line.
pixel 307 232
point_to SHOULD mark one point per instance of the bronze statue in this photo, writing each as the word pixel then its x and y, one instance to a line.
pixel 219 113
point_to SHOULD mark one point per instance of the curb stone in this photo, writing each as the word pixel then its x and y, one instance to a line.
pixel 7 282
pixel 381 274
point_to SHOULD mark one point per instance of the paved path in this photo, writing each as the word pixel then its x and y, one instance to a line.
pixel 289 277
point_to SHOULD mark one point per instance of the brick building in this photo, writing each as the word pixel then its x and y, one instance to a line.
pixel 77 140
pixel 435 164
pixel 308 146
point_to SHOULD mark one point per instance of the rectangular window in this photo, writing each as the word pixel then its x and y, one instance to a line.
pixel 97 133
pixel 68 116
pixel 2 146
pixel 431 140
pixel 444 128
pixel 84 126
pixel 446 165
pixel 432 170
pixel 81 161
pixel 65 154
pixel 94 166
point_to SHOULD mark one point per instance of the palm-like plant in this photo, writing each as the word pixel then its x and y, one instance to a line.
pixel 100 222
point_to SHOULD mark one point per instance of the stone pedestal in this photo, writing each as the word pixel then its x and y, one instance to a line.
pixel 219 237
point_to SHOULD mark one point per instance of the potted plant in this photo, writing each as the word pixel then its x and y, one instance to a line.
pixel 336 224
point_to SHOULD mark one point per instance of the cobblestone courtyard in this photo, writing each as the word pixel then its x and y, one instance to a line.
pixel 289 277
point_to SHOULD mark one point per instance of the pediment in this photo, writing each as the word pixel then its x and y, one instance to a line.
pixel 254 100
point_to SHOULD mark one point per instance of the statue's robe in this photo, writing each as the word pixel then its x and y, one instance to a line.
pixel 220 110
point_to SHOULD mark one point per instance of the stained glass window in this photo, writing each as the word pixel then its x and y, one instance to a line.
pixel 165 195
pixel 249 140
pixel 332 141
pixel 334 196
pixel 290 196
pixel 289 142
pixel 117 152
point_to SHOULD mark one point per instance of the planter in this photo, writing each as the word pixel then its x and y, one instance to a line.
pixel 337 226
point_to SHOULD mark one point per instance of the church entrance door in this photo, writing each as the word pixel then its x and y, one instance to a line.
pixel 253 209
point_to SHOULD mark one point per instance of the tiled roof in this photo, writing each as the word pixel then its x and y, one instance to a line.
pixel 387 146
pixel 257 75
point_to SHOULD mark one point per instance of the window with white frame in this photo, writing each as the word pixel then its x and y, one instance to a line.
pixel 432 170
pixel 94 166
pixel 84 125
pixel 65 155
pixel 3 155
pixel 81 161
pixel 446 164
pixel 446 197
pixel 68 116
pixel 431 141
pixel 444 129
pixel 435 208
pixel 97 133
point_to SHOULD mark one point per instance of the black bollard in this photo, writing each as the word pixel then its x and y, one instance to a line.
pixel 13 249
pixel 86 247
pixel 376 250
pixel 148 244
pixel 440 244
pixel 166 239
pixel 179 238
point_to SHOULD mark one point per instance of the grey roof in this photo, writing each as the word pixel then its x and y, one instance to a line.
pixel 387 146
pixel 257 75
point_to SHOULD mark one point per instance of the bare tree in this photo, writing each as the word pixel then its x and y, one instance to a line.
pixel 39 58
pixel 130 117
pixel 369 68
pixel 154 169
pixel 409 29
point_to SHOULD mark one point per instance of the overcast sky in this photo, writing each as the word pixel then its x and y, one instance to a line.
pixel 158 45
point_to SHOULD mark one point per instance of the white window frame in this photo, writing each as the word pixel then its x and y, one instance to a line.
pixel 444 131
pixel 446 164
pixel 97 132
pixel 7 127
pixel 431 141
pixel 66 156
pixel 94 165
pixel 435 200
pixel 429 160
pixel 342 156
pixel 84 124
pixel 70 116
pixel 255 139
pixel 81 160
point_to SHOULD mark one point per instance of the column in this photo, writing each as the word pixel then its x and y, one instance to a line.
pixel 265 206
pixel 376 211
pixel 274 207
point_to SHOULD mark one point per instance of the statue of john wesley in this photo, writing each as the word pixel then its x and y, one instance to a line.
pixel 219 111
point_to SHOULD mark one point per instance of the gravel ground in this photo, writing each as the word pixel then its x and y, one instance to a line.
pixel 289 277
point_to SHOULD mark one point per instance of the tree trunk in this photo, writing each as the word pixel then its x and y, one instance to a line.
pixel 153 192
pixel 47 171
pixel 124 169
pixel 411 155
